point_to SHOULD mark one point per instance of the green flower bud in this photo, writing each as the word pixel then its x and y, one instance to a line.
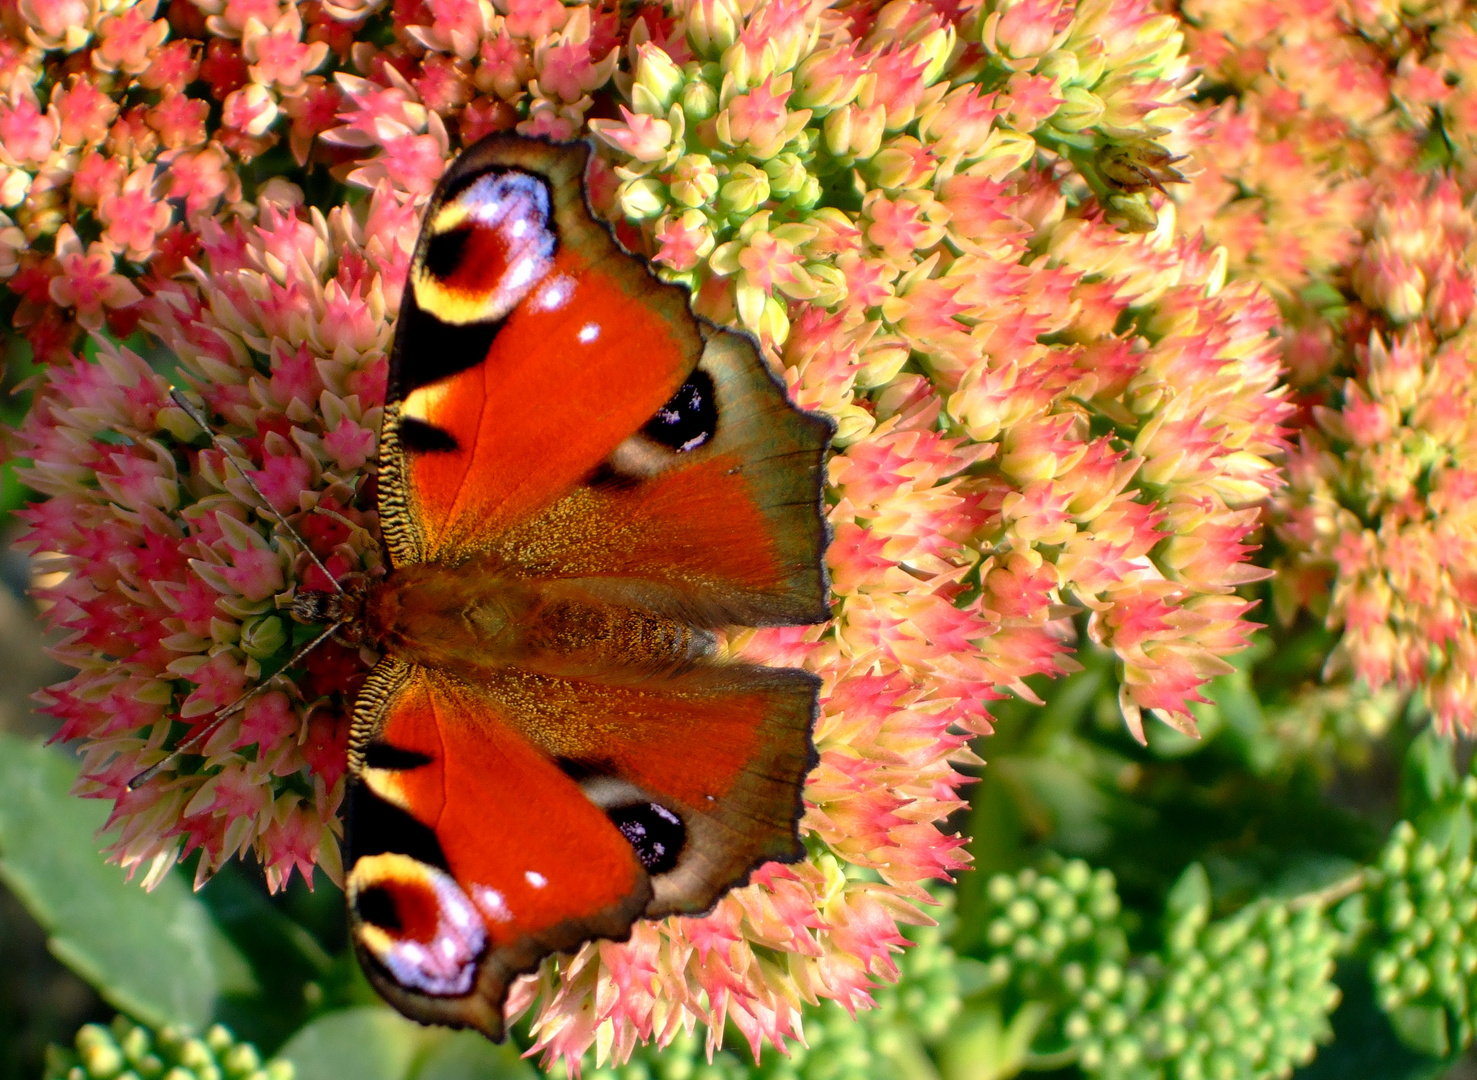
pixel 1414 978
pixel 1133 212
pixel 694 180
pixel 1000 889
pixel 658 81
pixel 100 1055
pixel 642 198
pixel 787 173
pixel 263 636
pixel 712 26
pixel 1023 912
pixel 854 132
pixel 1061 65
pixel 744 191
pixel 1080 109
pixel 699 101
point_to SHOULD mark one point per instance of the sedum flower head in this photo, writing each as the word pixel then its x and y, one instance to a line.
pixel 949 233
pixel 1378 519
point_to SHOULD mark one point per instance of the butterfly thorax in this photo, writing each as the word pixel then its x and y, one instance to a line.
pixel 478 615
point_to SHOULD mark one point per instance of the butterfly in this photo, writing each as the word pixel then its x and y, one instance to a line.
pixel 579 482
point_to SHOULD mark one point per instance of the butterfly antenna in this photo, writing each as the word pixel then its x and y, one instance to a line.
pixel 194 414
pixel 203 735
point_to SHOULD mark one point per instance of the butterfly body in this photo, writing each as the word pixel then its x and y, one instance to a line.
pixel 579 483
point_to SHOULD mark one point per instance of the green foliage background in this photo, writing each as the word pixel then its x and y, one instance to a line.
pixel 1292 894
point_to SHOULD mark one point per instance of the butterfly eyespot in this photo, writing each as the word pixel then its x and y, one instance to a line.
pixel 377 905
pixel 655 832
pixel 446 251
pixel 379 755
pixel 689 419
pixel 421 437
pixel 416 922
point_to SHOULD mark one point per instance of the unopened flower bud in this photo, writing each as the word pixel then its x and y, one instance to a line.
pixel 642 198
pixel 1133 212
pixel 699 101
pixel 855 132
pixel 14 186
pixel 786 174
pixel 694 180
pixel 936 48
pixel 263 636
pixel 658 81
pixel 712 26
pixel 1080 108
pixel 745 189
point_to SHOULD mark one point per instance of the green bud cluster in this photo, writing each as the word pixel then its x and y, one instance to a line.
pixel 1424 909
pixel 1244 998
pixel 128 1051
pixel 1044 926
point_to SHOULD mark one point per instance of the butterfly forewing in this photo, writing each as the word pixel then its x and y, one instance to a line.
pixel 579 481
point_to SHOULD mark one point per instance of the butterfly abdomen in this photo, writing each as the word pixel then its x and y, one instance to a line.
pixel 477 615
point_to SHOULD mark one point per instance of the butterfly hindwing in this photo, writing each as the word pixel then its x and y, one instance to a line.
pixel 503 859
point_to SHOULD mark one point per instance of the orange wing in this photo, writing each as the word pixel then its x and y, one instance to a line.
pixel 495 824
pixel 472 855
pixel 555 403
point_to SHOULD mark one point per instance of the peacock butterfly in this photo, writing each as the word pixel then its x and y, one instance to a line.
pixel 579 482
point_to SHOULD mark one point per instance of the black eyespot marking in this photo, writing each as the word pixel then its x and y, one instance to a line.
pixel 655 832
pixel 385 756
pixel 575 770
pixel 378 826
pixel 689 419
pixel 444 251
pixel 376 905
pixel 438 348
pixel 424 438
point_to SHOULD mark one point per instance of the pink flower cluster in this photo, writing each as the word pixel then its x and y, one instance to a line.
pixel 918 209
pixel 1313 182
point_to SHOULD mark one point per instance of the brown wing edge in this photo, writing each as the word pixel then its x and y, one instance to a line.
pixel 675 893
pixel 815 428
pixel 482 1007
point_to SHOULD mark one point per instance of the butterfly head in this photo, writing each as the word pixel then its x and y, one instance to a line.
pixel 343 608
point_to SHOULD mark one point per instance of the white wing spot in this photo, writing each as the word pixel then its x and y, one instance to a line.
pixel 555 294
pixel 521 274
pixel 589 332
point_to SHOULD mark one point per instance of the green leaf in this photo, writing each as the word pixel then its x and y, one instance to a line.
pixel 370 1043
pixel 466 1055
pixel 376 1043
pixel 1190 896
pixel 154 955
pixel 1423 1028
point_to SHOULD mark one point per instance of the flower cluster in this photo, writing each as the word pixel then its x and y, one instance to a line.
pixel 916 1011
pixel 173 573
pixel 128 1051
pixel 946 224
pixel 1245 996
pixel 1312 182
pixel 1425 904
pixel 124 128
